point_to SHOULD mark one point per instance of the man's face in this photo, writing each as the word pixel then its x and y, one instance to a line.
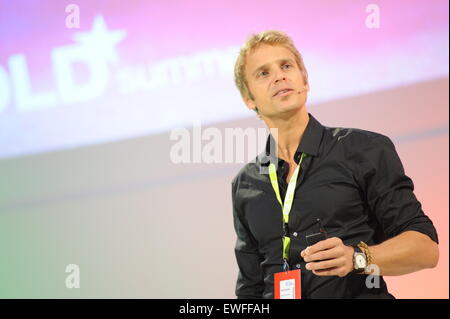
pixel 270 69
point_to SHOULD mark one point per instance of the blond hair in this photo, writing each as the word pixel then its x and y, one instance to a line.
pixel 270 37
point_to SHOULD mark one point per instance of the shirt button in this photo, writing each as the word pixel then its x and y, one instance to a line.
pixel 298 266
pixel 295 234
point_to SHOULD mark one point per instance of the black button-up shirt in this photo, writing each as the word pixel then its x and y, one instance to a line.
pixel 352 179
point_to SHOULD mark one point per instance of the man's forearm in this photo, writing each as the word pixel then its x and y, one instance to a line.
pixel 406 253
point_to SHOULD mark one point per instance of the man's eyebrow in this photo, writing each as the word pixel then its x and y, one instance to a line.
pixel 265 65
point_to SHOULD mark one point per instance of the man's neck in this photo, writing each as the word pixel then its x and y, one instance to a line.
pixel 290 132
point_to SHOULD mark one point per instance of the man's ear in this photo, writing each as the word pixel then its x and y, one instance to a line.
pixel 250 104
pixel 307 87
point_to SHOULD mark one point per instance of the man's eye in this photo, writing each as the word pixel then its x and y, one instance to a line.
pixel 263 73
pixel 287 65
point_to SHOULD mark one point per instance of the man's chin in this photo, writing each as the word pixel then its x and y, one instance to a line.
pixel 293 108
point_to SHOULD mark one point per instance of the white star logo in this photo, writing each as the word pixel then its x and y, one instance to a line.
pixel 100 39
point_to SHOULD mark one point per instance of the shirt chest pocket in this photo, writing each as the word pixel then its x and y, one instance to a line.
pixel 264 215
pixel 339 202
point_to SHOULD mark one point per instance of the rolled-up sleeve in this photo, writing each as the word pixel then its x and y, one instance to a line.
pixel 250 281
pixel 389 192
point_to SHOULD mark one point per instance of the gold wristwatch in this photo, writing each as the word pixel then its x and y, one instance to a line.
pixel 363 246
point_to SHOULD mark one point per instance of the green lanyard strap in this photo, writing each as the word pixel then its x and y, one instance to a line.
pixel 289 198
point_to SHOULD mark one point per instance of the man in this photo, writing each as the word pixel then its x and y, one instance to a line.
pixel 351 180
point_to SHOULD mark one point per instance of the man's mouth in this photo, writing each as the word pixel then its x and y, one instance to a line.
pixel 283 92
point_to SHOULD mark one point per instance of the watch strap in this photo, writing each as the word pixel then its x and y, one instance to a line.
pixel 358 250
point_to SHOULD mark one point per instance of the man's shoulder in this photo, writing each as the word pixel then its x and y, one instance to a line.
pixel 354 136
pixel 249 171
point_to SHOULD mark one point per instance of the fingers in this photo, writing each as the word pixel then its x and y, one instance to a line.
pixel 326 264
pixel 332 253
pixel 322 245
pixel 329 257
pixel 338 271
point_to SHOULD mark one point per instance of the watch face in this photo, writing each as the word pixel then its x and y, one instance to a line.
pixel 360 261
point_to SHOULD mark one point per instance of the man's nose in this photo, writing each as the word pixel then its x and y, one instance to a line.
pixel 280 77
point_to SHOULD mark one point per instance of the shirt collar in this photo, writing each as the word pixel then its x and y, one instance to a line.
pixel 309 143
